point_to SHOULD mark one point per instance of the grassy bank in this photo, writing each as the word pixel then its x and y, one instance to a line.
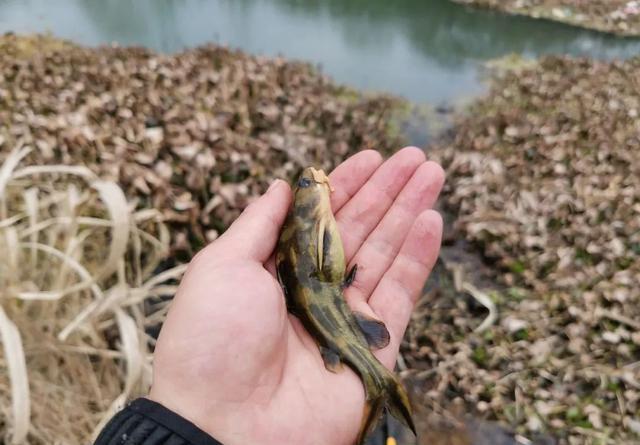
pixel 620 17
pixel 544 178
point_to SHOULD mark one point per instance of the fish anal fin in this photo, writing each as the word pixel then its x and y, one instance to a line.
pixel 374 330
pixel 331 359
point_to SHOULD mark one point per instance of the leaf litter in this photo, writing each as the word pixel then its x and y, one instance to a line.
pixel 192 138
pixel 116 166
pixel 543 178
pixel 196 134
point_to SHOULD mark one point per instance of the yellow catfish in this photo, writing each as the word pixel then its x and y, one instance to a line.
pixel 311 269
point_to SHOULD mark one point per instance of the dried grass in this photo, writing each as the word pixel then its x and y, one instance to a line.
pixel 74 300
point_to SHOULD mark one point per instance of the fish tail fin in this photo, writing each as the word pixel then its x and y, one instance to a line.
pixel 372 411
pixel 398 402
pixel 390 394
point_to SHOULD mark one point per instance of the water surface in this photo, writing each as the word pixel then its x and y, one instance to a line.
pixel 425 50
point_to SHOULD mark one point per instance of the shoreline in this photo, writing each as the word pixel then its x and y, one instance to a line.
pixel 621 18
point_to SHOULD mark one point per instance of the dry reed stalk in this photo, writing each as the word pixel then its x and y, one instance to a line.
pixel 78 289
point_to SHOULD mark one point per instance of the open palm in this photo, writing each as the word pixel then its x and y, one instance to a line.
pixel 229 357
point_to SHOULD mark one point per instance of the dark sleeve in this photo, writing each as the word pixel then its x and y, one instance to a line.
pixel 145 422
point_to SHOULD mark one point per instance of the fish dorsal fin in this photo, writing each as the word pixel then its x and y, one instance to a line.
pixel 330 254
pixel 320 247
pixel 374 330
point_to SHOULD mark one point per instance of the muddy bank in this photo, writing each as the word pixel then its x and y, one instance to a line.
pixel 620 17
pixel 543 177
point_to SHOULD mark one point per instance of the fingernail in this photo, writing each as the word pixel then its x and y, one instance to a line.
pixel 274 185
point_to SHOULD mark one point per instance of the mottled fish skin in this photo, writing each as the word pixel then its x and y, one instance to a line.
pixel 311 269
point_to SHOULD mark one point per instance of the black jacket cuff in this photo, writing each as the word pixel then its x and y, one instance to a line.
pixel 145 422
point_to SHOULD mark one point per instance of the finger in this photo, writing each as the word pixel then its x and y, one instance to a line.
pixel 254 234
pixel 348 177
pixel 400 287
pixel 359 216
pixel 381 246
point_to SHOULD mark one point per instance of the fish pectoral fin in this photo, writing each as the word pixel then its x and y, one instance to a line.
pixel 281 272
pixel 331 359
pixel 374 330
pixel 351 276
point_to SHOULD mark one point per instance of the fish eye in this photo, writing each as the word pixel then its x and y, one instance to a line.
pixel 304 182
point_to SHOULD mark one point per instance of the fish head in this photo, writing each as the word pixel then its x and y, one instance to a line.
pixel 315 227
pixel 313 189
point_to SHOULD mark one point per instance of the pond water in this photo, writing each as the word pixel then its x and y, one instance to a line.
pixel 428 51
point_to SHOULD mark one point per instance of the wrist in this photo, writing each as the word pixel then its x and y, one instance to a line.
pixel 146 421
pixel 183 409
pixel 197 412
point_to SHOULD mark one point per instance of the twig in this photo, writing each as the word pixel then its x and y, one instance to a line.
pixel 606 313
pixel 461 285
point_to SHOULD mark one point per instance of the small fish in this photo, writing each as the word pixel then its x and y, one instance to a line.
pixel 311 269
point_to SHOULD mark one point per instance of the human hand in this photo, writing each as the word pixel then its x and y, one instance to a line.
pixel 234 362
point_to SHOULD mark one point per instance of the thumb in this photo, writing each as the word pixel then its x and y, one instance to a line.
pixel 254 234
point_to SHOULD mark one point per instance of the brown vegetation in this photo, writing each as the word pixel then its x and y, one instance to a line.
pixel 544 178
pixel 183 142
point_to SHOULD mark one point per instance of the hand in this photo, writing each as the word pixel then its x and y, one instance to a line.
pixel 229 357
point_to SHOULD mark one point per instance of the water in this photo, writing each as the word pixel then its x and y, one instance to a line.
pixel 428 51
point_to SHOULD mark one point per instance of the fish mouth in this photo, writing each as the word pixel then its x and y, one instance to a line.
pixel 320 177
